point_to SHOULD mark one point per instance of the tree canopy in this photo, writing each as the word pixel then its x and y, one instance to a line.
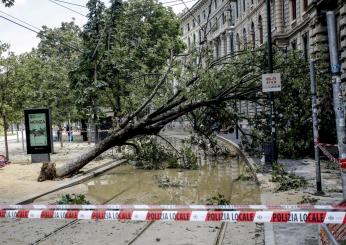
pixel 129 57
pixel 8 3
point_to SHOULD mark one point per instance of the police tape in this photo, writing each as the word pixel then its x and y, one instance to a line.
pixel 178 215
pixel 309 207
pixel 327 154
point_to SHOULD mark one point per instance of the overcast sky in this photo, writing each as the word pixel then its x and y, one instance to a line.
pixel 44 12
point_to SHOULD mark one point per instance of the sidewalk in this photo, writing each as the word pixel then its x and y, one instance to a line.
pixel 296 233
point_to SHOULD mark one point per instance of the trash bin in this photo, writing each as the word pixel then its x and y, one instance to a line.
pixel 267 149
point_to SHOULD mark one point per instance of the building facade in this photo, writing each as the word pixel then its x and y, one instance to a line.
pixel 236 25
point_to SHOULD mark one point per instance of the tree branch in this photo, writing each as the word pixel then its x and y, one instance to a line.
pixel 169 143
pixel 139 109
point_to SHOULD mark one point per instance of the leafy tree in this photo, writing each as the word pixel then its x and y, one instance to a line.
pixel 138 66
pixel 12 93
pixel 57 52
pixel 293 110
pixel 145 41
pixel 8 3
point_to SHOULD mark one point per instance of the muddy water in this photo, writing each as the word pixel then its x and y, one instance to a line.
pixel 128 185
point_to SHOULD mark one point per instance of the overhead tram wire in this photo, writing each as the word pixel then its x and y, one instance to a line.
pixel 19 24
pixel 24 22
pixel 176 1
pixel 176 4
pixel 63 6
pixel 74 4
pixel 38 33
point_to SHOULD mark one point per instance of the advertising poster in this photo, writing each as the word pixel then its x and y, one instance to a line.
pixel 38 129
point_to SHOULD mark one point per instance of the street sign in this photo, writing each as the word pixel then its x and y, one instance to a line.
pixel 271 82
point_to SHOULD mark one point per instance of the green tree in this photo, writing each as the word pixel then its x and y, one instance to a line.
pixel 8 3
pixel 146 41
pixel 56 53
pixel 12 91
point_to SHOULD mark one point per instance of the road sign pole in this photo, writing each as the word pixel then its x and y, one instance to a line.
pixel 271 94
pixel 315 126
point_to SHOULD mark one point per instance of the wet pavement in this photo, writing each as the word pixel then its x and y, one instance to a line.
pixel 128 185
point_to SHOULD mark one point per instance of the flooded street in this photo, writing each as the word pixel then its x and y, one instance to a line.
pixel 128 185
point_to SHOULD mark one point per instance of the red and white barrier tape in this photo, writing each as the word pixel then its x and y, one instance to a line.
pixel 340 162
pixel 175 207
pixel 327 154
pixel 178 215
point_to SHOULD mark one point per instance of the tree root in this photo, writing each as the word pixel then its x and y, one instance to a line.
pixel 48 172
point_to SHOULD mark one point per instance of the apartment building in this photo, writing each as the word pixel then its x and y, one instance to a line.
pixel 234 25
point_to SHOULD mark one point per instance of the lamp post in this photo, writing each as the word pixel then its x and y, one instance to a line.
pixel 271 94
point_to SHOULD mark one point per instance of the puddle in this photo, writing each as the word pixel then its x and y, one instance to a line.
pixel 128 185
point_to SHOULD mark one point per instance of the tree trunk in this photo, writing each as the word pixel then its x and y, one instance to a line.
pixel 116 139
pixel 21 129
pixel 5 132
pixel 17 125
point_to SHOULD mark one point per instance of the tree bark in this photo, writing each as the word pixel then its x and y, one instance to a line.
pixel 17 125
pixel 116 139
pixel 6 143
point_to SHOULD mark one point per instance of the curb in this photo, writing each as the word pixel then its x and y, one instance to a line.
pixel 268 230
pixel 75 181
pixel 248 160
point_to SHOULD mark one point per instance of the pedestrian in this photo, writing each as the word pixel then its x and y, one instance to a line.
pixel 70 134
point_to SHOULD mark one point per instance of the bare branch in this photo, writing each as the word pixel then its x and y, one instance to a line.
pixel 157 87
pixel 169 143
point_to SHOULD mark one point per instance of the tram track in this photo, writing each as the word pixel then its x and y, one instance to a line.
pixel 140 233
pixel 61 228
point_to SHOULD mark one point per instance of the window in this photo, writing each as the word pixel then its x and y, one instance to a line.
pixel 305 38
pixel 182 31
pixel 198 19
pixel 204 16
pixel 237 42
pixel 188 26
pixel 253 35
pixel 294 9
pixel 260 29
pixel 194 38
pixel 283 13
pixel 215 4
pixel 305 5
pixel 244 38
pixel 188 41
pixel 200 36
pixel 193 23
pixel 244 5
pixel 251 2
pixel 237 8
pixel 224 18
pixel 231 21
pixel 294 44
pixel 232 44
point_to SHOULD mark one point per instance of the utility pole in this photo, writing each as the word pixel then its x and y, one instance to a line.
pixel 271 94
pixel 337 96
pixel 315 125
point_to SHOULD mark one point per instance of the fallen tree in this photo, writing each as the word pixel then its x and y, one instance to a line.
pixel 110 74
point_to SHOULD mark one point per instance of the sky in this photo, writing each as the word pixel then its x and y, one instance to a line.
pixel 44 12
